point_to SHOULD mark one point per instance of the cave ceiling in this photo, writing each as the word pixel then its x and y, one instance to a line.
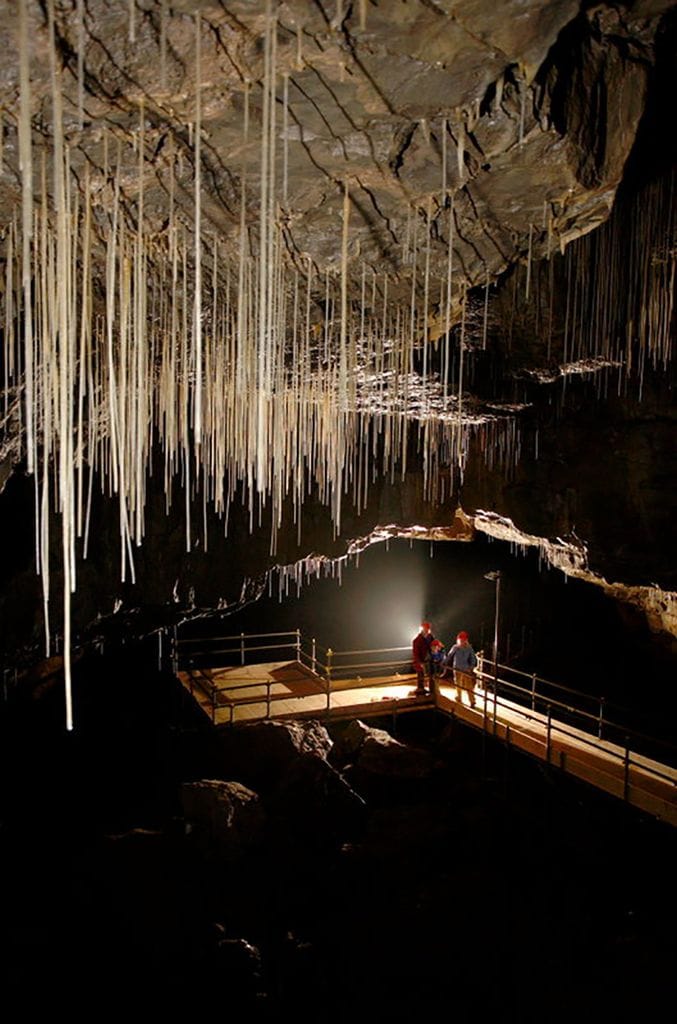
pixel 397 215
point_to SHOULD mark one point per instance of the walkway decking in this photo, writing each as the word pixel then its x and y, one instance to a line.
pixel 289 689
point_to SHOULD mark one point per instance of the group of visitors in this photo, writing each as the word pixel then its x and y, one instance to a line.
pixel 431 663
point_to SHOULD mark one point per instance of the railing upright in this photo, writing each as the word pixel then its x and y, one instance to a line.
pixel 493 727
pixel 533 691
pixel 175 651
pixel 626 769
pixel 242 648
pixel 600 721
pixel 314 656
pixel 548 735
pixel 298 644
pixel 330 654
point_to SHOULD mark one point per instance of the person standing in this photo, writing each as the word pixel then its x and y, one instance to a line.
pixel 421 656
pixel 463 660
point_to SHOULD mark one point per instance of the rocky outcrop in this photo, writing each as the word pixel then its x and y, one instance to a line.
pixel 375 761
pixel 316 803
pixel 262 754
pixel 225 818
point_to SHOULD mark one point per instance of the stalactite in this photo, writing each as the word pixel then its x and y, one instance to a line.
pixel 444 160
pixel 62 341
pixel 460 151
pixel 285 135
pixel 163 44
pixel 256 369
pixel 343 366
pixel 80 17
pixel 459 400
pixel 528 278
pixel 197 308
pixel 26 166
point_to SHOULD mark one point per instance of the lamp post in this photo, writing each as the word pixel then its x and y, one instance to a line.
pixel 496 577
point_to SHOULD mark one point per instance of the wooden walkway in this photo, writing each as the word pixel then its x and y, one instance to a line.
pixel 289 689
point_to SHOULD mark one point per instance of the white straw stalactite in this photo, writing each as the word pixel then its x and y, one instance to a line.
pixel 259 372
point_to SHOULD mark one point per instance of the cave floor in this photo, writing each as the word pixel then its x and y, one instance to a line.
pixel 279 690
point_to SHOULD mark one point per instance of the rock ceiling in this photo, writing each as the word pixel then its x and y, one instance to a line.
pixel 408 103
pixel 223 215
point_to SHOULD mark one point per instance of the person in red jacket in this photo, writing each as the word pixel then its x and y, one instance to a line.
pixel 423 666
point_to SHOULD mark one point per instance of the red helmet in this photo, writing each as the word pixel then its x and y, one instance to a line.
pixel 462 635
pixel 426 625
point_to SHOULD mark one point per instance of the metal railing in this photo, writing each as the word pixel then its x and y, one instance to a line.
pixel 603 719
pixel 194 655
pixel 539 699
pixel 593 729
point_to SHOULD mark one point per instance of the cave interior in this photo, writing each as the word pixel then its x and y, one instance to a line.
pixel 313 313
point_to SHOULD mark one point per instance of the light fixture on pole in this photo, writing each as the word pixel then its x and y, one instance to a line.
pixel 495 575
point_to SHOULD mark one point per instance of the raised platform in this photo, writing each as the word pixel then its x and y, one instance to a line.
pixel 289 689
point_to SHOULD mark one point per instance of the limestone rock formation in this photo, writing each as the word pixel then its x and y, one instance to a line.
pixel 226 817
pixel 263 753
pixel 374 752
pixel 268 246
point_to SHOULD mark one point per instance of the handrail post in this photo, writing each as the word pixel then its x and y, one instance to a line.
pixel 626 769
pixel 298 644
pixel 159 649
pixel 175 651
pixel 480 668
pixel 314 649
pixel 268 699
pixel 330 654
pixel 533 691
pixel 213 705
pixel 242 648
pixel 600 722
pixel 548 735
pixel 495 702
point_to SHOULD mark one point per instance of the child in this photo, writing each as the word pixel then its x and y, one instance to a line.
pixel 437 657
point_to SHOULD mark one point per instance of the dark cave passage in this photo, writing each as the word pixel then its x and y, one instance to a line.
pixel 564 629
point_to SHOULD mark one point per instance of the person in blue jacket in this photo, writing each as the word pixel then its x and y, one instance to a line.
pixel 463 661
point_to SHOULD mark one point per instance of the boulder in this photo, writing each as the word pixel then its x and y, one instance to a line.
pixel 376 752
pixel 237 967
pixel 226 818
pixel 316 802
pixel 260 754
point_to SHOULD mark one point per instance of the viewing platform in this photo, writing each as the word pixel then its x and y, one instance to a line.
pixel 562 727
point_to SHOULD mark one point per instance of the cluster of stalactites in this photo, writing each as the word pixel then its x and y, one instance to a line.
pixel 259 375
pixel 224 359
